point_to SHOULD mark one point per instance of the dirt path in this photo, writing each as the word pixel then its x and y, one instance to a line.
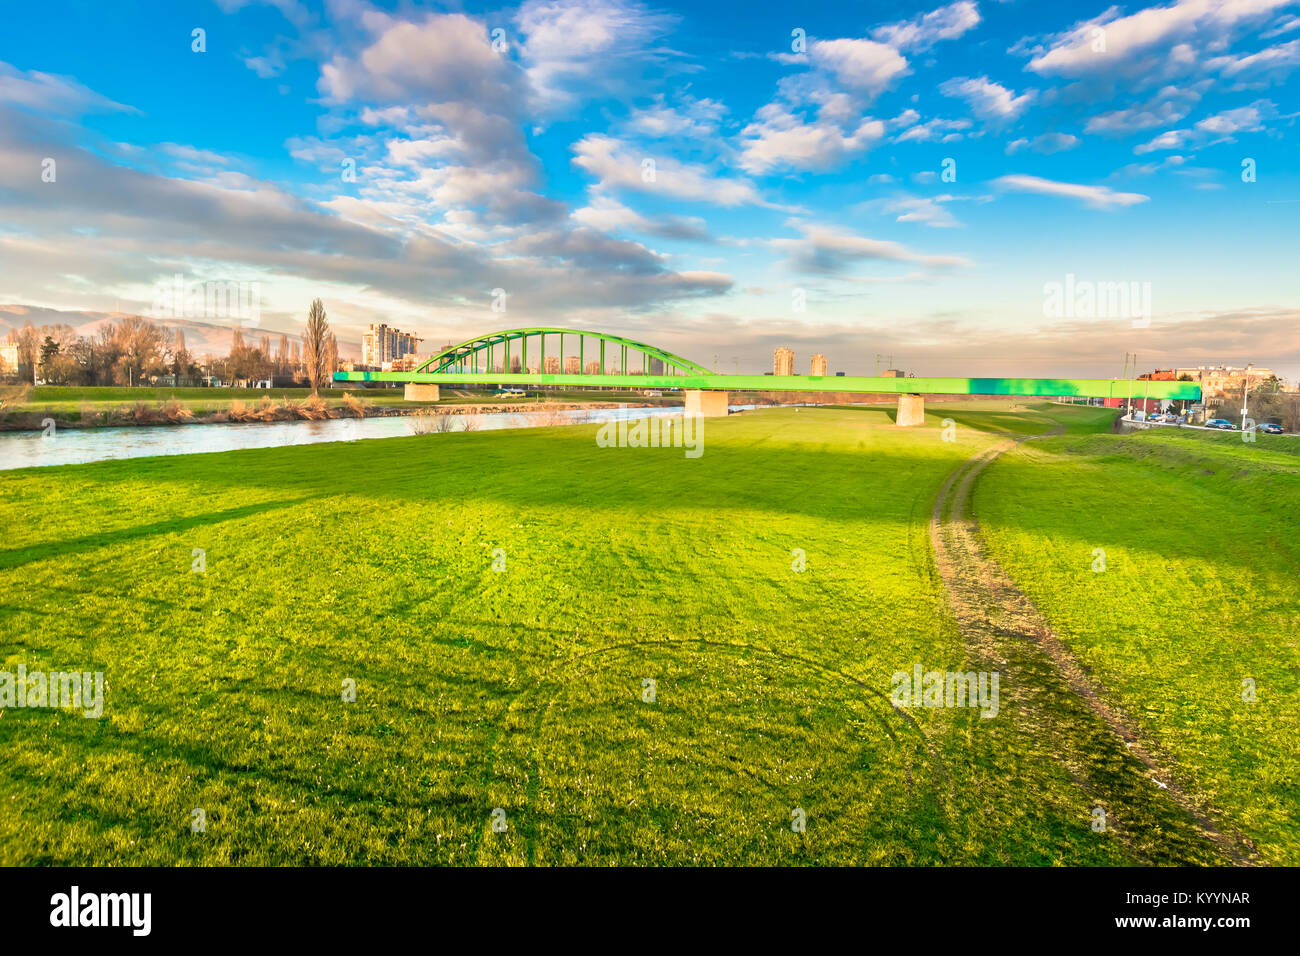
pixel 1056 700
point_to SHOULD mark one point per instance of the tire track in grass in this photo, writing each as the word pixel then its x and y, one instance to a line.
pixel 1156 818
pixel 532 705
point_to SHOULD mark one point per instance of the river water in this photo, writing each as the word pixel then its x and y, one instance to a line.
pixel 74 446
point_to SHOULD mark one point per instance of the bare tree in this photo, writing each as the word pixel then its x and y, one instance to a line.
pixel 316 345
pixel 141 349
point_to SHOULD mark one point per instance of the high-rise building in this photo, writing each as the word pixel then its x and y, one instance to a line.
pixel 382 344
pixel 552 365
pixel 572 365
pixel 783 361
pixel 593 368
pixel 818 364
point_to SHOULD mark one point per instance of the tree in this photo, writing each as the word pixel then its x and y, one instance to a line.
pixel 50 360
pixel 182 360
pixel 316 345
pixel 141 349
pixel 28 344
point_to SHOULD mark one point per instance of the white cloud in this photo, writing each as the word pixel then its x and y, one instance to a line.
pixel 929 211
pixel 609 215
pixel 1154 42
pixel 1273 63
pixel 923 32
pixel 941 130
pixel 1217 128
pixel 1098 197
pixel 50 93
pixel 690 119
pixel 443 58
pixel 817 119
pixel 828 250
pixel 988 100
pixel 779 138
pixel 1168 106
pixel 862 66
pixel 1285 25
pixel 574 47
pixel 1045 143
pixel 616 164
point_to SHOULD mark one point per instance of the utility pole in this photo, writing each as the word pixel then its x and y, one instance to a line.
pixel 1130 381
pixel 1245 395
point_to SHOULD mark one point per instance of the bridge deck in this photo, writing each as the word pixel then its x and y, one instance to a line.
pixel 1044 387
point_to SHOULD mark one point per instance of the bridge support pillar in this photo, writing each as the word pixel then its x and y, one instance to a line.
pixel 707 403
pixel 420 392
pixel 911 411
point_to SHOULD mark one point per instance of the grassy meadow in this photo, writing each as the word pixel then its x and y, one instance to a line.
pixel 620 655
pixel 1199 593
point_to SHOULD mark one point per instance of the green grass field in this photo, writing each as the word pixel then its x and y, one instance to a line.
pixel 502 601
pixel 1199 593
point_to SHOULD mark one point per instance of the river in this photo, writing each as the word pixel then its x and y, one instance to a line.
pixel 75 446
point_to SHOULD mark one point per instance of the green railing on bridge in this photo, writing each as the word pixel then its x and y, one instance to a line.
pixel 1042 387
pixel 469 355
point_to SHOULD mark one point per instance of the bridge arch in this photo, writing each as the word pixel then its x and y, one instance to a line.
pixel 477 354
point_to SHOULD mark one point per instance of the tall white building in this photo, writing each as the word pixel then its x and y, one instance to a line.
pixel 382 345
pixel 783 361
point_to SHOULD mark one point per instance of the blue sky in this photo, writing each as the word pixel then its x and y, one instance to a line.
pixel 797 194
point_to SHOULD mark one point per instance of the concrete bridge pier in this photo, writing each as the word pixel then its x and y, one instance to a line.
pixel 707 403
pixel 911 410
pixel 420 392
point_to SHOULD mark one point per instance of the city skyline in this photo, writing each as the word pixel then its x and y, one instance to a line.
pixel 914 183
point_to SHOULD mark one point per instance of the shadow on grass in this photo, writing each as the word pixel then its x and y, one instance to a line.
pixel 17 557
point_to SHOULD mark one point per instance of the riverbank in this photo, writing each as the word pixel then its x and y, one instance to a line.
pixel 56 446
pixel 40 413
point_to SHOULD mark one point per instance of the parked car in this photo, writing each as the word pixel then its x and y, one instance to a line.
pixel 1220 423
pixel 1270 428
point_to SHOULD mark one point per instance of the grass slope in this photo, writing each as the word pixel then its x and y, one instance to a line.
pixel 1199 593
pixel 521 689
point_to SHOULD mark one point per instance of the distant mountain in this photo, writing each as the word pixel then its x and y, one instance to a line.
pixel 201 338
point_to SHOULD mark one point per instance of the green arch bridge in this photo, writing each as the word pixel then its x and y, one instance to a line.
pixel 475 362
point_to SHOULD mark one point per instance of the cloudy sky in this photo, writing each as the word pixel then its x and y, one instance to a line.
pixel 715 178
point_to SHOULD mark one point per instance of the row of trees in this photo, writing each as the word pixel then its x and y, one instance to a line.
pixel 135 351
